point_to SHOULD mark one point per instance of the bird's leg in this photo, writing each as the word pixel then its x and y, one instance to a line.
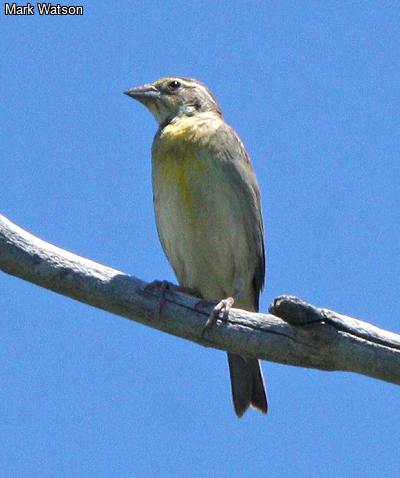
pixel 157 284
pixel 163 286
pixel 221 310
pixel 187 290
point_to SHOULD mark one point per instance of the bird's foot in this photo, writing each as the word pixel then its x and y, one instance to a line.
pixel 155 285
pixel 187 290
pixel 161 286
pixel 221 310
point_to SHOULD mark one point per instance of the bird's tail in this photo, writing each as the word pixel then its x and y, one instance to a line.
pixel 247 384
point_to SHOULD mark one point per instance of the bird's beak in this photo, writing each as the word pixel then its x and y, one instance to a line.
pixel 143 93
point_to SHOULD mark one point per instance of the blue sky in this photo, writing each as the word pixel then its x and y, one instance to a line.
pixel 313 90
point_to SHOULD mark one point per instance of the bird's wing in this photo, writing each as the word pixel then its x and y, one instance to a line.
pixel 237 165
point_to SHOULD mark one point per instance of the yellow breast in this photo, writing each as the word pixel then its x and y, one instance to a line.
pixel 178 158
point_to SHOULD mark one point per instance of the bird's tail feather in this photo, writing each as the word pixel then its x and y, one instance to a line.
pixel 247 384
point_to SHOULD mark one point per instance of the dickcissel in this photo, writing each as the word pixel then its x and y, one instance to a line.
pixel 208 212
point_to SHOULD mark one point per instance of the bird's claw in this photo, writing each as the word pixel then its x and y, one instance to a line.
pixel 155 285
pixel 162 286
pixel 221 310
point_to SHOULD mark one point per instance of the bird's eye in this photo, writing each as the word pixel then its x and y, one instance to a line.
pixel 174 85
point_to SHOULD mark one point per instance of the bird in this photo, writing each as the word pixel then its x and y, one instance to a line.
pixel 208 211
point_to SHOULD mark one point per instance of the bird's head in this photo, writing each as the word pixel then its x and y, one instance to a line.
pixel 169 98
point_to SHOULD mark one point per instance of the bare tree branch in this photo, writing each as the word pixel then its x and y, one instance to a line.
pixel 297 334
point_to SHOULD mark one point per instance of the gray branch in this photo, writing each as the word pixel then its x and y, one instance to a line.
pixel 292 333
